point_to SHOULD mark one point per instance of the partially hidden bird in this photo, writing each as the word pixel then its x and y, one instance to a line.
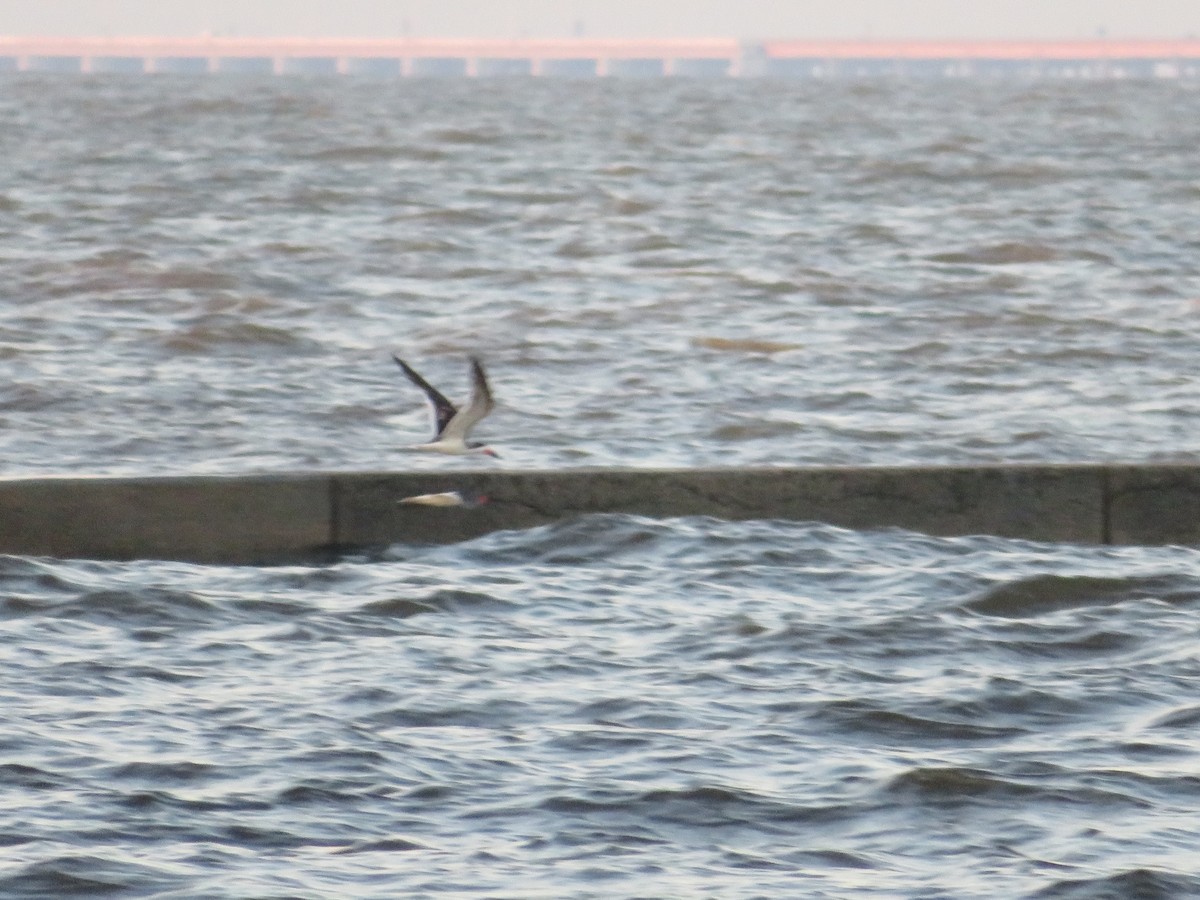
pixel 447 498
pixel 451 424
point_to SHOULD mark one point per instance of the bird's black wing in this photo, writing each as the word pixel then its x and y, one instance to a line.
pixel 443 409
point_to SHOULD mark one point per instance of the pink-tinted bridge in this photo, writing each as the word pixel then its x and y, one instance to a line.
pixel 590 57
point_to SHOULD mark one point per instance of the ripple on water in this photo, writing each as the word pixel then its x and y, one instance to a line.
pixel 1046 594
pixel 1137 882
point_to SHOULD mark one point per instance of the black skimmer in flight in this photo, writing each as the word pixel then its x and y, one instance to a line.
pixel 452 425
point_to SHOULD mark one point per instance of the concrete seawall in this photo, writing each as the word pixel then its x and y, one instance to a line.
pixel 269 518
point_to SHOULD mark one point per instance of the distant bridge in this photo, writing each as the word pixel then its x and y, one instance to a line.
pixel 584 57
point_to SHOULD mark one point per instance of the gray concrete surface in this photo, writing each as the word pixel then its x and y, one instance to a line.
pixel 1152 505
pixel 272 518
pixel 1039 502
pixel 239 520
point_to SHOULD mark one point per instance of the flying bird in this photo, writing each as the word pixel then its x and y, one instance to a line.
pixel 452 425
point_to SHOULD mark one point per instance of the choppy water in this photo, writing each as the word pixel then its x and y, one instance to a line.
pixel 208 275
pixel 610 707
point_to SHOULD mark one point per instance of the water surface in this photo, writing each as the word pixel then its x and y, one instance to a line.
pixel 609 707
pixel 208 276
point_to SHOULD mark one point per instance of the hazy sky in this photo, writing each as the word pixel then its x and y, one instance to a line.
pixel 610 18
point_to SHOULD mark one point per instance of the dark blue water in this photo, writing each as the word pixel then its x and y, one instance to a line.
pixel 209 275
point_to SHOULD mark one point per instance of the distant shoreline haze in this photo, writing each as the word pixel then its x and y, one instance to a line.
pixel 605 19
